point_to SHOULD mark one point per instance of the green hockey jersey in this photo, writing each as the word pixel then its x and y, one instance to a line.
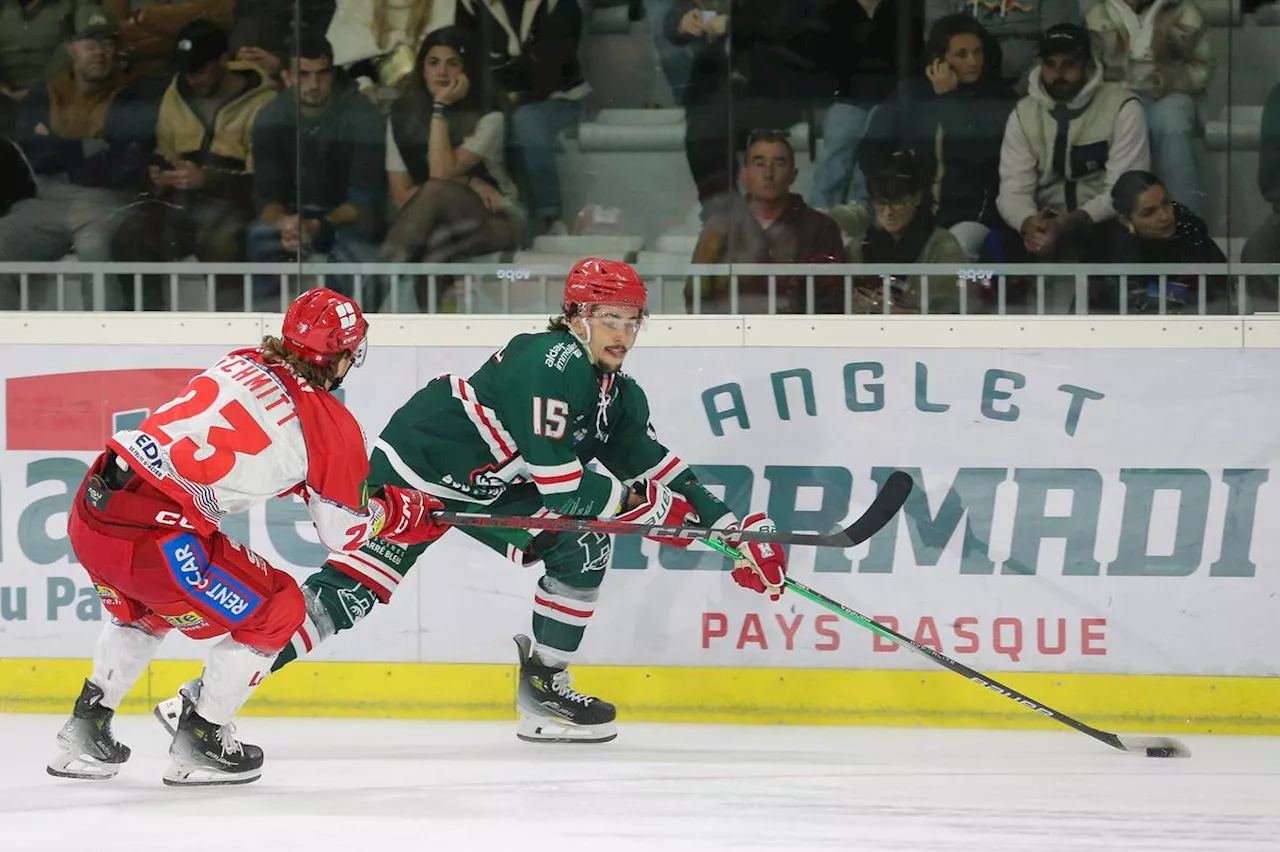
pixel 535 414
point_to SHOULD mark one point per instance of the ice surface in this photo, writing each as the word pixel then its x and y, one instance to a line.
pixel 369 786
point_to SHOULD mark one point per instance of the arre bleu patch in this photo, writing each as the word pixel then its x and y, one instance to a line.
pixel 225 595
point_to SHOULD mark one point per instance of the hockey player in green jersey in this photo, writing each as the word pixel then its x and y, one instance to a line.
pixel 514 439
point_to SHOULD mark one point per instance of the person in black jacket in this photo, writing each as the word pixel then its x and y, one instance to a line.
pixel 87 137
pixel 868 48
pixel 753 69
pixel 952 119
pixel 532 63
pixel 1152 228
pixel 1264 243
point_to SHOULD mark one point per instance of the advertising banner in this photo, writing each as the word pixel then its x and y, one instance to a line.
pixel 1076 510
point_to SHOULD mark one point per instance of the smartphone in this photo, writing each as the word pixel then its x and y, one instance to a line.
pixel 707 14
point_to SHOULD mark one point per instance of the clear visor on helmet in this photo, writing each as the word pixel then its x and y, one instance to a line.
pixel 357 357
pixel 618 317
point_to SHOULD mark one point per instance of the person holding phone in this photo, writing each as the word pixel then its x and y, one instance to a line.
pixel 753 68
pixel 951 118
pixel 865 53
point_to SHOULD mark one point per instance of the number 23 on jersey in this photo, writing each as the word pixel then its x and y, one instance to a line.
pixel 210 461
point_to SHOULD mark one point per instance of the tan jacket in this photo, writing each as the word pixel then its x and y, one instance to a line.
pixel 228 145
pixel 1177 59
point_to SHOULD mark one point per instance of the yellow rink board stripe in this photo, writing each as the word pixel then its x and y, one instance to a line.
pixel 726 695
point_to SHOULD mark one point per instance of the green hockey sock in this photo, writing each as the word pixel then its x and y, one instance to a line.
pixel 335 602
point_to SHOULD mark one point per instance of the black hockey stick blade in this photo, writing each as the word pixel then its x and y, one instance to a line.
pixel 1145 746
pixel 886 504
pixel 1152 746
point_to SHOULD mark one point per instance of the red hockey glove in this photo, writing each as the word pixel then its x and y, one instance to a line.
pixel 663 507
pixel 408 516
pixel 765 568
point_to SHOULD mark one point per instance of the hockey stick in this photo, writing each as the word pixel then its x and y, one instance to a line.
pixel 885 506
pixel 1147 746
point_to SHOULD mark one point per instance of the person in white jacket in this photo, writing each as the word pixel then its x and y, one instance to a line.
pixel 1064 146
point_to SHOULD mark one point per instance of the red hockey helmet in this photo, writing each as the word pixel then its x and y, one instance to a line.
pixel 320 325
pixel 595 281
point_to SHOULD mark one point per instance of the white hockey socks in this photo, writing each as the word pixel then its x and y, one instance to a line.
pixel 119 659
pixel 230 676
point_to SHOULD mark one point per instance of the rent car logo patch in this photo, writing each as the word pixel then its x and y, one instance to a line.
pixel 208 583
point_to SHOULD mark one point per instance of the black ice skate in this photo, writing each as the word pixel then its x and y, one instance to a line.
pixel 204 754
pixel 86 747
pixel 552 711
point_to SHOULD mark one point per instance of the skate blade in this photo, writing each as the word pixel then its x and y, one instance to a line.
pixel 82 767
pixel 185 775
pixel 547 729
pixel 167 712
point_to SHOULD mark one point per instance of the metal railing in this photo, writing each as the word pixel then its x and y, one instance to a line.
pixel 488 288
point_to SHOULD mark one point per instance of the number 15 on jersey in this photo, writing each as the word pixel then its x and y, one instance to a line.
pixel 550 417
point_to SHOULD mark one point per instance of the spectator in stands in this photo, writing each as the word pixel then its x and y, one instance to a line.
pixel 1152 228
pixel 1018 26
pixel 1065 145
pixel 904 233
pixel 444 160
pixel 86 137
pixel 329 202
pixel 951 118
pixel 274 25
pixel 676 60
pixel 149 29
pixel 543 80
pixel 764 81
pixel 771 224
pixel 31 35
pixel 1161 50
pixel 1263 245
pixel 202 173
pixel 868 47
pixel 375 41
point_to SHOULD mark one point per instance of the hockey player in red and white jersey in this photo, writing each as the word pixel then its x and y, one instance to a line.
pixel 260 423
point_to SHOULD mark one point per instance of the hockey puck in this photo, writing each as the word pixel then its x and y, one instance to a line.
pixel 1162 752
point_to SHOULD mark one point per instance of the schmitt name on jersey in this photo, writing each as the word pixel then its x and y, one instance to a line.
pixel 191 568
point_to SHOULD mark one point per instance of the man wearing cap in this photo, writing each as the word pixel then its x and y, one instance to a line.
pixel 203 171
pixel 86 137
pixel 1064 146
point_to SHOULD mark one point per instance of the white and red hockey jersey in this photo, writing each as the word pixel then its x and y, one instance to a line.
pixel 243 432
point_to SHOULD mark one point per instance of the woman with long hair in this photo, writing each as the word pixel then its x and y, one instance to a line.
pixel 445 168
pixel 952 119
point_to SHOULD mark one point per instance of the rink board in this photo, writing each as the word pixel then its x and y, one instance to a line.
pixel 1093 522
pixel 1132 703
